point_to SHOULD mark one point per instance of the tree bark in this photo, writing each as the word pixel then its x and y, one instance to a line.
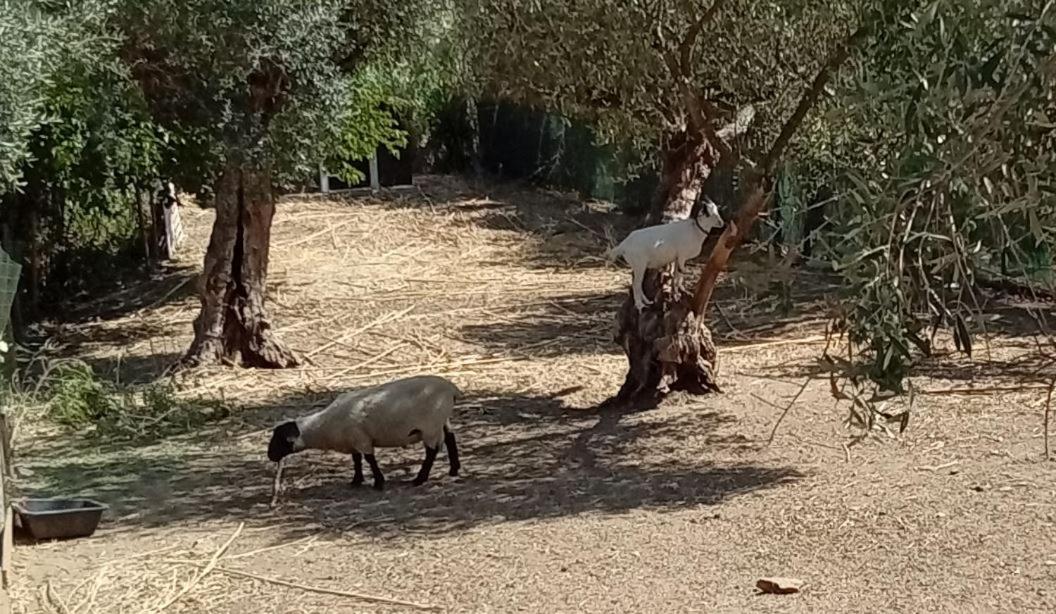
pixel 668 347
pixel 233 321
pixel 688 161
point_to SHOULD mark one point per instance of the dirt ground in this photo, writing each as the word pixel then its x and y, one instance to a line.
pixel 560 508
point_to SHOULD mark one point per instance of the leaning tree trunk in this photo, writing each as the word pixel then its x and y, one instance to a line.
pixel 668 347
pixel 233 321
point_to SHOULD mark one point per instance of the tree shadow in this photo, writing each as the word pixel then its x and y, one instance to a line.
pixel 583 324
pixel 574 324
pixel 169 284
pixel 524 458
pixel 562 229
pixel 133 370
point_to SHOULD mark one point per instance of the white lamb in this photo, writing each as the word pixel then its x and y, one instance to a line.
pixel 395 414
pixel 655 247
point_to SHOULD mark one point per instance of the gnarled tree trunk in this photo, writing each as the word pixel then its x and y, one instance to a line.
pixel 668 347
pixel 667 344
pixel 233 321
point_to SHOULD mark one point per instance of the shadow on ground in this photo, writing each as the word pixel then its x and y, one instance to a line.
pixel 167 285
pixel 585 324
pixel 524 459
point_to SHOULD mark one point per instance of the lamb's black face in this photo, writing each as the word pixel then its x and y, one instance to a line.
pixel 282 441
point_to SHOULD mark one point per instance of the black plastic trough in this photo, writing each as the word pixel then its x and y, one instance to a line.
pixel 59 518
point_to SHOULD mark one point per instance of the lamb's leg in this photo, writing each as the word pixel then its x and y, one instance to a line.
pixel 452 450
pixel 357 467
pixel 379 480
pixel 636 286
pixel 427 465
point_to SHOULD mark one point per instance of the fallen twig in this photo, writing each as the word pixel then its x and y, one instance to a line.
pixel 795 398
pixel 755 346
pixel 276 486
pixel 1048 406
pixel 327 591
pixel 204 571
pixel 388 317
pixel 938 467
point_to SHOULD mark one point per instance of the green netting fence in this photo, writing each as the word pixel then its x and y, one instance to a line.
pixel 9 272
pixel 522 143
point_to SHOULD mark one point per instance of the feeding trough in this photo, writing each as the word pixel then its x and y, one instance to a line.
pixel 59 518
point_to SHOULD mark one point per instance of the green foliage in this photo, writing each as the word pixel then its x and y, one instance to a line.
pixel 76 398
pixel 24 60
pixel 369 121
pixel 281 83
pixel 947 154
pixel 91 147
pixel 604 60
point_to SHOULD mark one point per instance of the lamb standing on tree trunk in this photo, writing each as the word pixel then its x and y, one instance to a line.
pixel 395 414
pixel 655 247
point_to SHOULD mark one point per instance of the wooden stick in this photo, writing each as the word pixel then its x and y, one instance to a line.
pixel 54 599
pixel 986 390
pixel 276 486
pixel 242 555
pixel 773 432
pixel 204 571
pixel 327 591
pixel 9 543
pixel 753 346
pixel 168 294
pixel 389 317
pixel 1048 406
pixel 368 361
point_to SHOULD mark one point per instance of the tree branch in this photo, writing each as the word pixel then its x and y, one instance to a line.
pixel 810 98
pixel 690 42
pixel 756 192
pixel 699 112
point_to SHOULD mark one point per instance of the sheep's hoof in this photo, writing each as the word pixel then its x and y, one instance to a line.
pixel 357 482
pixel 379 485
pixel 417 481
pixel 454 472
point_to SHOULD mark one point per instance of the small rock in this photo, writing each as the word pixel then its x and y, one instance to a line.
pixel 779 586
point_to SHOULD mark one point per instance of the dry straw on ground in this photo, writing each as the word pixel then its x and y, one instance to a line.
pixel 189 580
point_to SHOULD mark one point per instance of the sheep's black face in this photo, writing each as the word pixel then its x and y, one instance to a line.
pixel 282 440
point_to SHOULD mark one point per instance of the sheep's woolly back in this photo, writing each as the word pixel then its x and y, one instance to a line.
pixel 394 414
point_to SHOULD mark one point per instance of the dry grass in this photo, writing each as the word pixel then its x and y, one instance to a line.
pixel 560 509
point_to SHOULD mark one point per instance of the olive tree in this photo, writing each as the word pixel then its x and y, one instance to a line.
pixel 945 136
pixel 252 93
pixel 682 77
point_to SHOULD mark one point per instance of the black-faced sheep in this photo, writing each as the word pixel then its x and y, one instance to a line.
pixel 395 414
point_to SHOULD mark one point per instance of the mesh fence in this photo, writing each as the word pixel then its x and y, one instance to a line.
pixel 523 143
pixel 9 272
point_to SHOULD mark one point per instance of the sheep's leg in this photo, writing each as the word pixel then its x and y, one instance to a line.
pixel 379 480
pixel 427 465
pixel 452 451
pixel 357 467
